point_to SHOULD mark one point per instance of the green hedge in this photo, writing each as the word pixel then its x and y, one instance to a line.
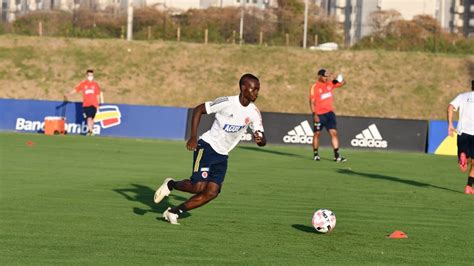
pixel 223 25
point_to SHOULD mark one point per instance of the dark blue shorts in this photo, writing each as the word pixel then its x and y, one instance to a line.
pixel 327 120
pixel 208 165
pixel 89 111
pixel 466 145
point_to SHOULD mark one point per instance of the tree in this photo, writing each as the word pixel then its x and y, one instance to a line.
pixel 381 20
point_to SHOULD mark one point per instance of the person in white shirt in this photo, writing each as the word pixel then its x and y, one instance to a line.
pixel 464 104
pixel 234 114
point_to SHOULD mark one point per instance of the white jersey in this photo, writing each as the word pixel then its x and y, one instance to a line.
pixel 232 120
pixel 464 103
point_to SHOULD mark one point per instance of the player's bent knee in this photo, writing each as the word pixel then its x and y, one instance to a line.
pixel 210 195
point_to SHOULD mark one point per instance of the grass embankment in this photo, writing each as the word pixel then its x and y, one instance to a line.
pixel 380 83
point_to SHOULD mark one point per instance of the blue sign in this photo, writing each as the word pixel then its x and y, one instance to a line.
pixel 439 142
pixel 121 120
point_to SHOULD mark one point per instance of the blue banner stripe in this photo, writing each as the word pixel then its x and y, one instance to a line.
pixel 111 120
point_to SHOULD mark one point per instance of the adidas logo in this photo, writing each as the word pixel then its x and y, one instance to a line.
pixel 302 134
pixel 370 138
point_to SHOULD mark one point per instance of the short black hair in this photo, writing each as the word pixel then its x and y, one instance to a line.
pixel 245 78
pixel 322 72
pixel 90 71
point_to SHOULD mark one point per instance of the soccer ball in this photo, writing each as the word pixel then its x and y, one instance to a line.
pixel 324 221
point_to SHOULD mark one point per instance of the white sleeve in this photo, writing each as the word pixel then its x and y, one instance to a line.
pixel 456 102
pixel 256 123
pixel 217 105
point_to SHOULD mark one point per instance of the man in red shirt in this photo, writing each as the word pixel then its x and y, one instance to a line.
pixel 321 104
pixel 90 98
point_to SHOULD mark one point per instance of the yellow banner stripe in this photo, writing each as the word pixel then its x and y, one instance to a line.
pixel 198 159
pixel 106 115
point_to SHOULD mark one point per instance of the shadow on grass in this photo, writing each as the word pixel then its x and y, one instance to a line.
pixel 144 195
pixel 392 178
pixel 305 228
pixel 272 152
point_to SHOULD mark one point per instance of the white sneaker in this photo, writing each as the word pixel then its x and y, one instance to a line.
pixel 170 217
pixel 162 191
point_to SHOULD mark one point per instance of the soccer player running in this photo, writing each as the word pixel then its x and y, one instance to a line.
pixel 233 115
pixel 321 104
pixel 464 104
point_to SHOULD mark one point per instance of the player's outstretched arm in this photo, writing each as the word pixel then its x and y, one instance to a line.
pixel 66 95
pixel 197 113
pixel 260 138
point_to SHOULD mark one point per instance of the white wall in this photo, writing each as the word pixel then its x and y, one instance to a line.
pixel 410 8
pixel 182 5
pixel 439 9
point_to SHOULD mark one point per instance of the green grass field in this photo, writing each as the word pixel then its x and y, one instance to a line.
pixel 76 200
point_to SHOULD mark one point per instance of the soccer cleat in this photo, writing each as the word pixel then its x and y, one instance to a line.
pixel 162 191
pixel 340 159
pixel 463 162
pixel 317 158
pixel 469 190
pixel 170 217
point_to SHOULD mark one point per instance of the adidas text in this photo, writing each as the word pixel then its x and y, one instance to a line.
pixel 301 133
pixel 369 138
pixel 298 139
pixel 370 143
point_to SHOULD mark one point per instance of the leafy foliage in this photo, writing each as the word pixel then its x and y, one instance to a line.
pixel 223 24
pixel 280 26
pixel 422 33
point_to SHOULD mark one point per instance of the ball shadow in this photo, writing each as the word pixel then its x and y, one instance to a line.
pixel 305 228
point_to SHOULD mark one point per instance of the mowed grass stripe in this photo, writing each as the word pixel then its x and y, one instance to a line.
pixel 72 199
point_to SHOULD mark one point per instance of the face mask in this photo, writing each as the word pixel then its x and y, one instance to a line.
pixel 90 78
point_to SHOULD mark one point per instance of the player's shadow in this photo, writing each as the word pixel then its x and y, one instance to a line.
pixel 270 151
pixel 144 195
pixel 392 178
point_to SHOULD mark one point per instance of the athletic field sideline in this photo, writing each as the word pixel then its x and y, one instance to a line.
pixel 75 199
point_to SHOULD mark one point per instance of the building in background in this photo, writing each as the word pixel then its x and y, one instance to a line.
pixel 456 16
pixel 177 5
pixel 11 8
pixel 467 16
pixel 236 3
pixel 3 10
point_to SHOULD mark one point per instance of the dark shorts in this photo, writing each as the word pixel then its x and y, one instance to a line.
pixel 208 165
pixel 89 111
pixel 327 120
pixel 466 145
